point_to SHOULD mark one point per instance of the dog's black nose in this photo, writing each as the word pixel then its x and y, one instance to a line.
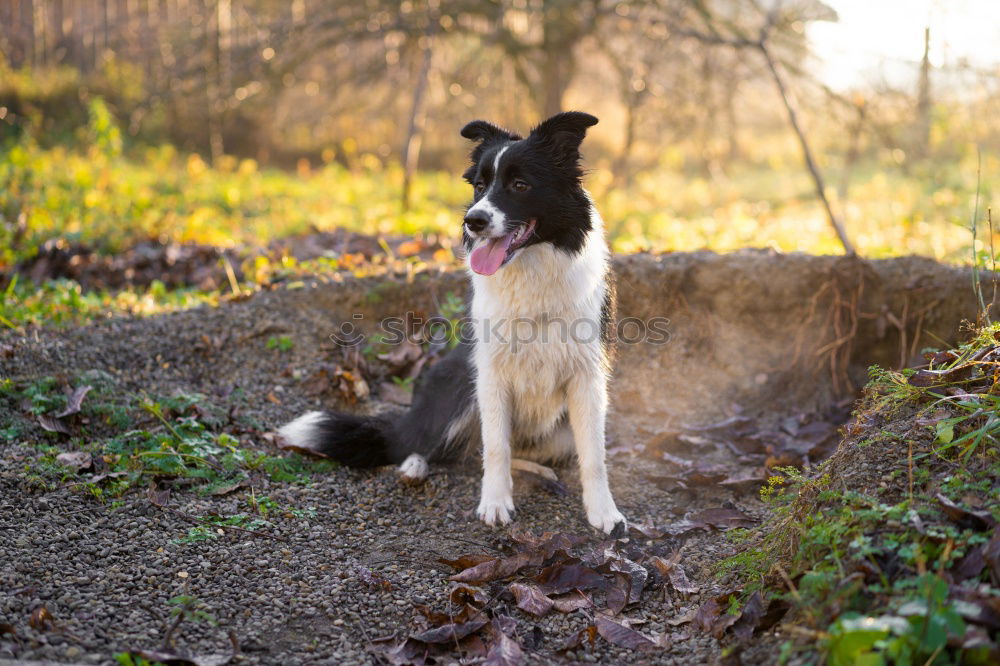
pixel 476 220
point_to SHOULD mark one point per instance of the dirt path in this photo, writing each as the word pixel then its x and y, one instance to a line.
pixel 350 556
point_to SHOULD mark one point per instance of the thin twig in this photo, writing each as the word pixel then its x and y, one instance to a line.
pixel 793 119
pixel 910 469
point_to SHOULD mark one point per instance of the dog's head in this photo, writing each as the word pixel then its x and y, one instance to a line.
pixel 526 190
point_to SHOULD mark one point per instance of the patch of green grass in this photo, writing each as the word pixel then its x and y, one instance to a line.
pixel 65 303
pixel 282 343
pixel 213 527
pixel 136 438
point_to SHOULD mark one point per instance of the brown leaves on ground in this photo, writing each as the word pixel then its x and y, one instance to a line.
pixel 720 518
pixel 78 461
pixel 204 266
pixel 530 599
pixel 41 619
pixel 622 636
pixel 953 371
pixel 58 422
pixel 965 518
pixel 563 573
pixel 752 446
pixel 671 570
pixel 713 616
pixel 373 580
pixel 333 379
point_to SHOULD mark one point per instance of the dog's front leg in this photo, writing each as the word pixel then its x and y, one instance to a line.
pixel 587 397
pixel 496 503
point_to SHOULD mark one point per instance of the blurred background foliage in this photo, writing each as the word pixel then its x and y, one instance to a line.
pixel 235 122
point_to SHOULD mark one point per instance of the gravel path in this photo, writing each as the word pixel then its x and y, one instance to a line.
pixel 311 590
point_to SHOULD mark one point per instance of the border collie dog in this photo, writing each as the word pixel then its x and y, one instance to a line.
pixel 531 388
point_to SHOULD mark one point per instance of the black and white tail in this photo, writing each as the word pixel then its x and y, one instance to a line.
pixel 440 421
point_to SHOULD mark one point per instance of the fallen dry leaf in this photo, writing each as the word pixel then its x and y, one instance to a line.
pixel 74 402
pixel 41 619
pixel 706 615
pixel 466 561
pixel 587 634
pixel 617 593
pixel 497 569
pixel 503 650
pixel 683 618
pixel 976 520
pixel 373 579
pixel 52 424
pixel 552 486
pixel 622 636
pixel 561 578
pixel 673 572
pixel 573 601
pixel 158 494
pixel 530 599
pixel 636 575
pixel 438 618
pixel 463 594
pixel 723 518
pixel 711 620
pixel 77 460
pixel 749 618
pixel 452 632
pixel 645 531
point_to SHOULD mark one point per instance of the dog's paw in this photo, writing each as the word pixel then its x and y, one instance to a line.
pixel 496 511
pixel 605 517
pixel 414 469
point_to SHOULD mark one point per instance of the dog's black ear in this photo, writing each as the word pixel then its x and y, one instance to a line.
pixel 485 132
pixel 564 131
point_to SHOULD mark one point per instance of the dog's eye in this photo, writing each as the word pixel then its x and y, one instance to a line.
pixel 480 186
pixel 520 186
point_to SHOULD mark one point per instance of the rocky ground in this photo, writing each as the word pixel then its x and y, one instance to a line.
pixel 344 558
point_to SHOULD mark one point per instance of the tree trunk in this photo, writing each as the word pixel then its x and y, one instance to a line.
pixel 213 76
pixel 621 169
pixel 556 72
pixel 38 30
pixel 922 138
pixel 415 129
pixel 853 152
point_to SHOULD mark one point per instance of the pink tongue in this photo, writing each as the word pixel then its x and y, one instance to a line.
pixel 486 259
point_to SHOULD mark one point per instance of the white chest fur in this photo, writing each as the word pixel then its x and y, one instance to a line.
pixel 538 322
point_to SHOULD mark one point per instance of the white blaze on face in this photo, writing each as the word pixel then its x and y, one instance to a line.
pixel 498 220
